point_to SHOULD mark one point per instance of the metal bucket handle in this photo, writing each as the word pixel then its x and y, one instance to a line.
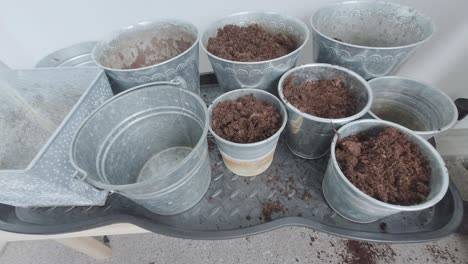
pixel 177 81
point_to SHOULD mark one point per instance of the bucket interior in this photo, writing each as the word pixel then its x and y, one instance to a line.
pixel 411 104
pixel 357 88
pixel 145 44
pixel 373 24
pixel 150 148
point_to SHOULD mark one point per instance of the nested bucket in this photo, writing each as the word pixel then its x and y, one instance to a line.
pixel 310 136
pixel 415 105
pixel 355 205
pixel 148 144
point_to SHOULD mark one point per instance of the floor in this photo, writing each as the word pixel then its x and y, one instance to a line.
pixel 286 245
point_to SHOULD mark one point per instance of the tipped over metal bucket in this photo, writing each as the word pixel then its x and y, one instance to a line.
pixel 148 144
pixel 372 38
pixel 262 75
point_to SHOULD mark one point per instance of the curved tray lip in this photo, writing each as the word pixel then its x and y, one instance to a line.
pixel 148 224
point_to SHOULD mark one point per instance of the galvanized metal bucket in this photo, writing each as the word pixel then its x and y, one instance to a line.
pixel 372 38
pixel 248 159
pixel 122 52
pixel 309 136
pixel 149 144
pixel 262 75
pixel 353 204
pixel 418 106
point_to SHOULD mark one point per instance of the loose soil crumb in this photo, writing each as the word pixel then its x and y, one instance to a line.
pixel 245 120
pixel 271 207
pixel 366 253
pixel 439 254
pixel 387 166
pixel 322 98
pixel 250 43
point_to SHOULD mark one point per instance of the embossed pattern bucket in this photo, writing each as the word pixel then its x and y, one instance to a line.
pixel 372 38
pixel 161 44
pixel 262 75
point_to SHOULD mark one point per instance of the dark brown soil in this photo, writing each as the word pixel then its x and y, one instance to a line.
pixel 366 253
pixel 322 98
pixel 271 207
pixel 250 43
pixel 245 120
pixel 386 166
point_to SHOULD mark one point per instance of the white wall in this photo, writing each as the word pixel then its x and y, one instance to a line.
pixel 31 29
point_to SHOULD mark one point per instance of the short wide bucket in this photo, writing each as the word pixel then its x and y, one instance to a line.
pixel 353 204
pixel 149 144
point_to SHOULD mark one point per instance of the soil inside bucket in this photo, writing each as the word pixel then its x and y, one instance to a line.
pixel 250 43
pixel 322 98
pixel 386 166
pixel 245 120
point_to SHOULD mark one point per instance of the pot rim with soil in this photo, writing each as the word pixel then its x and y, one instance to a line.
pixel 145 24
pixel 353 196
pixel 248 159
pixel 214 26
pixel 434 97
pixel 355 116
pixel 246 92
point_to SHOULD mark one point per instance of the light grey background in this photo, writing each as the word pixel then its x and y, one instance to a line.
pixel 30 30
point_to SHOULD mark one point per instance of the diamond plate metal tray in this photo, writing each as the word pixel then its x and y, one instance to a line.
pixel 287 194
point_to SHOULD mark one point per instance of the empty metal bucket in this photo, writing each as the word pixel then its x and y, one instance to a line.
pixel 262 75
pixel 249 159
pixel 149 144
pixel 149 52
pixel 412 104
pixel 309 136
pixel 372 38
pixel 353 204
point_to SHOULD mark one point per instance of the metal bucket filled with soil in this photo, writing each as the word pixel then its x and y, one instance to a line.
pixel 378 168
pixel 415 105
pixel 253 49
pixel 147 52
pixel 246 125
pixel 320 98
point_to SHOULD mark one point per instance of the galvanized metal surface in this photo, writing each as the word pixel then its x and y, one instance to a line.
pixel 262 75
pixel 309 136
pixel 355 205
pixel 253 158
pixel 233 206
pixel 77 55
pixel 372 38
pixel 418 106
pixel 159 40
pixel 40 111
pixel 149 144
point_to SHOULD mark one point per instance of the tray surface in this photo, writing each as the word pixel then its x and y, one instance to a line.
pixel 288 193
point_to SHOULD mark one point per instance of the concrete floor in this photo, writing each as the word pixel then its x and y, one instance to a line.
pixel 287 245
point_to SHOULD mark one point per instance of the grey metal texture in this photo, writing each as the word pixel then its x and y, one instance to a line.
pixel 77 55
pixel 248 159
pixel 158 40
pixel 416 105
pixel 233 206
pixel 353 204
pixel 149 144
pixel 262 75
pixel 40 111
pixel 309 136
pixel 372 38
